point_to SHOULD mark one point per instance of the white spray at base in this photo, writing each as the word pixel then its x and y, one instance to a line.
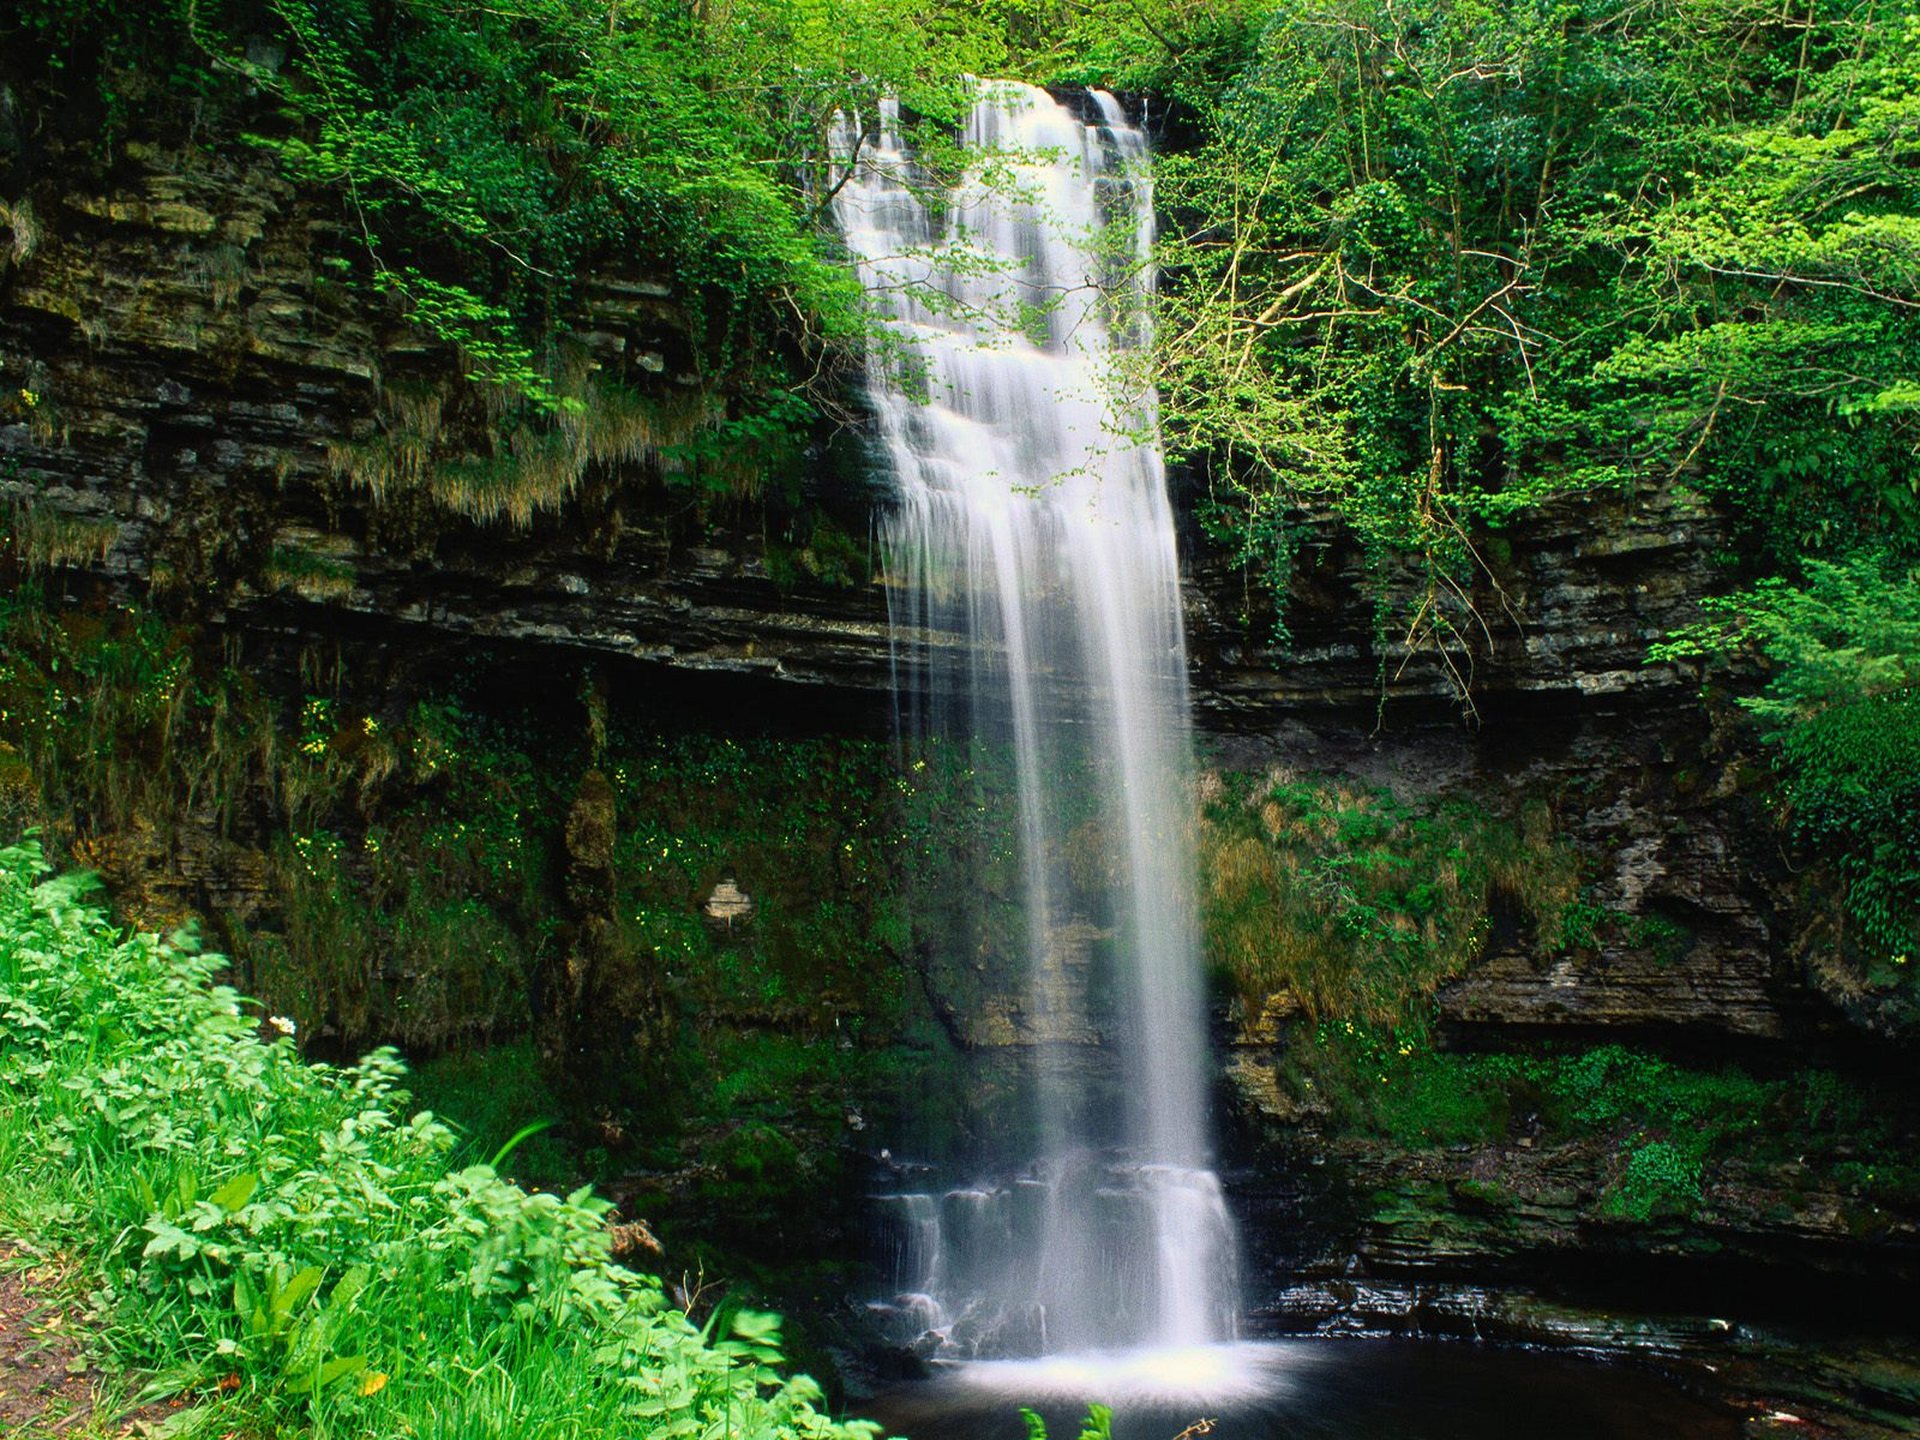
pixel 1036 601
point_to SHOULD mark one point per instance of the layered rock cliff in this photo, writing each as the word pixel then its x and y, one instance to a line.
pixel 185 386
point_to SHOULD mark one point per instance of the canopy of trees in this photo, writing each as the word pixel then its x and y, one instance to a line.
pixel 1425 263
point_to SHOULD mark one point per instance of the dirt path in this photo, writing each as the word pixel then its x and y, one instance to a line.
pixel 46 1384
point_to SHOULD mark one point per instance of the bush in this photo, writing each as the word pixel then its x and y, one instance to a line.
pixel 284 1241
pixel 1841 714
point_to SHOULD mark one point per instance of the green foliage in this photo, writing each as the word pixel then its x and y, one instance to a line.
pixel 1097 1426
pixel 1391 1082
pixel 1358 905
pixel 1425 266
pixel 416 914
pixel 1667 1124
pixel 405 860
pixel 109 719
pixel 411 863
pixel 1661 1177
pixel 487 1096
pixel 486 156
pixel 1355 907
pixel 1430 265
pixel 132 1083
pixel 1841 713
pixel 281 1332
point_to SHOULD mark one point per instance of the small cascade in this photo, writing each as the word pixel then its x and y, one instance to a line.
pixel 976 1270
pixel 1036 612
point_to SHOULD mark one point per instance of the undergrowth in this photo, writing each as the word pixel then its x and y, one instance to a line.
pixel 1353 907
pixel 285 1243
pixel 1667 1124
pixel 1357 904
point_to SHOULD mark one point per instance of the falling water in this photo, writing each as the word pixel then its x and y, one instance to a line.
pixel 1036 600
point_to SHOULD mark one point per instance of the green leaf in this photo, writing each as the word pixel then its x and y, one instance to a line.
pixel 348 1290
pixel 519 1137
pixel 303 1284
pixel 236 1192
pixel 328 1372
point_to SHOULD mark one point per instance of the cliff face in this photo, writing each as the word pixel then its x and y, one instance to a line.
pixel 181 376
pixel 182 388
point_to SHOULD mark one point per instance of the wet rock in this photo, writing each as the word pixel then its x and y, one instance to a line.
pixel 1787 1381
pixel 600 1019
pixel 728 906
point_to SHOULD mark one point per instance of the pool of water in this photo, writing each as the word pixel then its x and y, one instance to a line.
pixel 1309 1390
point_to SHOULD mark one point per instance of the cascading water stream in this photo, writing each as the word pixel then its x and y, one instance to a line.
pixel 1036 601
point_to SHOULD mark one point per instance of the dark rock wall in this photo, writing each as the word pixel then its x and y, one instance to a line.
pixel 178 369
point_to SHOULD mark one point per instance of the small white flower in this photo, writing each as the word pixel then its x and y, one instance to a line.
pixel 282 1023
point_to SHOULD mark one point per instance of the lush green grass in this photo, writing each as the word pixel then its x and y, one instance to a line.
pixel 288 1244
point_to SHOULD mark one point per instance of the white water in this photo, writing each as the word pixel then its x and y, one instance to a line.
pixel 1036 600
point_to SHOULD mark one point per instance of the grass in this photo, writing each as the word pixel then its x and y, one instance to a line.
pixel 291 1248
pixel 424 446
pixel 1358 905
pixel 490 1095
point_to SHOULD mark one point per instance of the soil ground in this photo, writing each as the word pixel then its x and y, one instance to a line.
pixel 46 1383
pixel 49 1389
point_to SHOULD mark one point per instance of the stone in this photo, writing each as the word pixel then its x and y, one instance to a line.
pixel 728 906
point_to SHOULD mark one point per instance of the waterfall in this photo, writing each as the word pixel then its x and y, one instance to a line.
pixel 1035 597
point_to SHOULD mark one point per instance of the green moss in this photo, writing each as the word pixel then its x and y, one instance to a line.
pixel 122 724
pixel 1390 1082
pixel 1359 905
pixel 1484 1194
pixel 1668 1124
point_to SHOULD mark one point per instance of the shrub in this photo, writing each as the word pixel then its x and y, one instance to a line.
pixel 1841 715
pixel 285 1241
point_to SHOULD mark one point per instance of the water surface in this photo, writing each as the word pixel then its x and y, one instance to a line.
pixel 1312 1390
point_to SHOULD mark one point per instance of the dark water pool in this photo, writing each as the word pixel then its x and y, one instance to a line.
pixel 1311 1390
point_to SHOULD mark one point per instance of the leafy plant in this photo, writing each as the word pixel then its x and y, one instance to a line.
pixel 1097 1426
pixel 124 1070
pixel 281 1332
pixel 1841 713
pixel 1660 1177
